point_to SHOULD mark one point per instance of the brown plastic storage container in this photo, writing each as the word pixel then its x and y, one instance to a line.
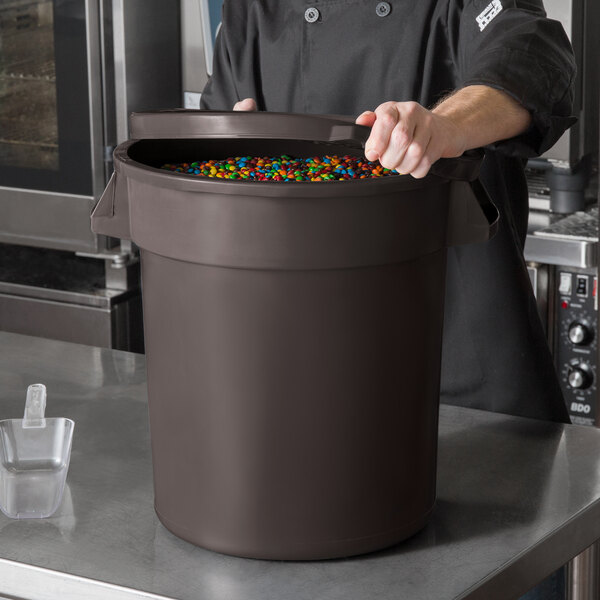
pixel 293 332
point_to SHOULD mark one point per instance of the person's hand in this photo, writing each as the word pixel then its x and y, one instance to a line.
pixel 248 104
pixel 409 138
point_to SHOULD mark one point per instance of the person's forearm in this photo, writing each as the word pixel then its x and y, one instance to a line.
pixel 484 115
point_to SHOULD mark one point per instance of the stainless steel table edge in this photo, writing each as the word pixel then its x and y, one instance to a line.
pixel 51 585
pixel 92 385
pixel 535 565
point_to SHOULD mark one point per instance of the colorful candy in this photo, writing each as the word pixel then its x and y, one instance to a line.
pixel 284 168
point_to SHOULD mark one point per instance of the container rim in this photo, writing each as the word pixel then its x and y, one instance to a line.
pixel 53 419
pixel 129 167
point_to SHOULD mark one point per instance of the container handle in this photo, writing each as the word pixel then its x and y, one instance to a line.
pixel 461 168
pixel 110 216
pixel 472 216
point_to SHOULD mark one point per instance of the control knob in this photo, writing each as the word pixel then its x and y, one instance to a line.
pixel 580 376
pixel 579 333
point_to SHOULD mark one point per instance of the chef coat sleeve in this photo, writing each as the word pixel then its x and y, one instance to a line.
pixel 512 46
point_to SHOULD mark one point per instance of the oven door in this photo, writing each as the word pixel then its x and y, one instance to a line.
pixel 51 163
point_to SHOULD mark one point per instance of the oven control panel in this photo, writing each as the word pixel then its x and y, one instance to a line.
pixel 576 341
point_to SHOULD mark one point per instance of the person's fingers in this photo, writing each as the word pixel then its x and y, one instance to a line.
pixel 387 117
pixel 367 118
pixel 407 137
pixel 421 166
pixel 247 104
pixel 402 135
pixel 415 158
pixel 433 152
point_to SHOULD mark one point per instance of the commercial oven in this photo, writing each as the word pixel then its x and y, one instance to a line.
pixel 563 268
pixel 70 73
pixel 563 223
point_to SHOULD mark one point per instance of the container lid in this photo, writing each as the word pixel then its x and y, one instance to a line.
pixel 333 129
pixel 198 124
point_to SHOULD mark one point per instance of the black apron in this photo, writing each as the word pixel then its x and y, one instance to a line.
pixel 348 56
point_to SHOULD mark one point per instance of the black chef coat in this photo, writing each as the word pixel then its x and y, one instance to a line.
pixel 348 56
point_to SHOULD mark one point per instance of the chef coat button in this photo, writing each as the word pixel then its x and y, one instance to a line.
pixel 383 9
pixel 311 15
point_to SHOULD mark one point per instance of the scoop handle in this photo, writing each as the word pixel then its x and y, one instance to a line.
pixel 35 406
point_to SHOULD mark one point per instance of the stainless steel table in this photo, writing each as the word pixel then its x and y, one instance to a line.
pixel 517 498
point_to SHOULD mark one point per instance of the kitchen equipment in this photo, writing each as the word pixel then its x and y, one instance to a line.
pixel 569 165
pixel 293 332
pixel 563 253
pixel 70 74
pixel 34 459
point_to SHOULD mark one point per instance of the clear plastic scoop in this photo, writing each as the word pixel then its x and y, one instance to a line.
pixel 34 459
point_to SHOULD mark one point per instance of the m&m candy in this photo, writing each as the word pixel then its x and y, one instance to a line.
pixel 284 168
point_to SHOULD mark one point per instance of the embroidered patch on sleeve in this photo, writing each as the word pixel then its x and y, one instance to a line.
pixel 490 11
